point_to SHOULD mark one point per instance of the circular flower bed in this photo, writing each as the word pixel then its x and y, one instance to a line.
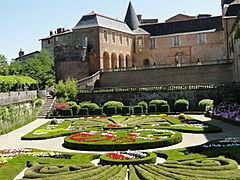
pixel 122 139
pixel 127 158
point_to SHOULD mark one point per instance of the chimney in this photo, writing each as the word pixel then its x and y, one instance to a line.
pixel 139 16
pixel 21 53
pixel 200 16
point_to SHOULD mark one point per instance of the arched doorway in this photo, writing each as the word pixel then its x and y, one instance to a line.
pixel 106 60
pixel 128 61
pixel 179 58
pixel 121 60
pixel 146 62
pixel 97 84
pixel 114 60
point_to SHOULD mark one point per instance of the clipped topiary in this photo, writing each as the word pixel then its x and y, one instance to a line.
pixel 138 110
pixel 144 105
pixel 98 111
pixel 71 103
pixel 159 104
pixel 181 105
pixel 115 104
pixel 204 103
pixel 165 108
pixel 83 112
pixel 66 112
pixel 152 108
pixel 90 106
pixel 75 109
pixel 111 111
pixel 126 110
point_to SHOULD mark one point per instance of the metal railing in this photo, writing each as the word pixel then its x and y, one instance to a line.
pixel 160 88
pixel 161 66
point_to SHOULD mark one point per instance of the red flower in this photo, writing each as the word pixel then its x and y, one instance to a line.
pixel 60 106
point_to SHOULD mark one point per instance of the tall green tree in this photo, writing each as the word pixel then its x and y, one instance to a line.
pixel 3 65
pixel 41 68
pixel 16 68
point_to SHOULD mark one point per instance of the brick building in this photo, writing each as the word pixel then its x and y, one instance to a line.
pixel 99 42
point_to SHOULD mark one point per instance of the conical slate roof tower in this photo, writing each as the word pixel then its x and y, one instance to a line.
pixel 131 18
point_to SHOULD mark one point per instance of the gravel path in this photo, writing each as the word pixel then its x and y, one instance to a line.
pixel 13 139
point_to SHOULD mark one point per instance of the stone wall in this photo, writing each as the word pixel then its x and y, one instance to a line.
pixel 193 96
pixel 190 75
pixel 17 97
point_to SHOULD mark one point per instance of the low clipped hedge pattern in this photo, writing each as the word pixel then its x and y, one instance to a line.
pixel 207 168
pixel 151 159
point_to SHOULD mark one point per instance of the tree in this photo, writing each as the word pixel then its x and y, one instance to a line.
pixel 71 88
pixel 3 65
pixel 41 68
pixel 16 68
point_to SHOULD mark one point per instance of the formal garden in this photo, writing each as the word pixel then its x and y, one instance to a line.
pixel 112 140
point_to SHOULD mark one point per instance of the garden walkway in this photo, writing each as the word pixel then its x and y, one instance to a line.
pixel 13 139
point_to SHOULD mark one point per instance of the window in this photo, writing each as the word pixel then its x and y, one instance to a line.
pixel 105 35
pixel 85 41
pixel 140 41
pixel 152 43
pixel 180 58
pixel 127 40
pixel 120 38
pixel 56 39
pixel 176 40
pixel 202 38
pixel 113 37
pixel 49 41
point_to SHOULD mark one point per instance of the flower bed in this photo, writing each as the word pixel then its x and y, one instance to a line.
pixel 122 139
pixel 127 158
pixel 228 111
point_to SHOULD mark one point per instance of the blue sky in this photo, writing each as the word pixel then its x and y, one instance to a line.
pixel 24 22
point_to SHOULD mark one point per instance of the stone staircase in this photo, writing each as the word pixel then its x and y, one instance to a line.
pixel 89 82
pixel 46 108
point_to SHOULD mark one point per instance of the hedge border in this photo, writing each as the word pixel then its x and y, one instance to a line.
pixel 151 159
pixel 75 145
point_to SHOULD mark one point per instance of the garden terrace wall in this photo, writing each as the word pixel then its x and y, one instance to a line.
pixel 17 97
pixel 134 95
pixel 218 72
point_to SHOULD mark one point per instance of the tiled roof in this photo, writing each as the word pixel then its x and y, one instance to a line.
pixel 227 1
pixel 193 25
pixel 96 20
pixel 131 18
pixel 233 10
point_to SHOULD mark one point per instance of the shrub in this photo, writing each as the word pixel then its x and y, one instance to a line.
pixel 144 105
pixel 60 106
pixel 165 108
pixel 152 108
pixel 204 103
pixel 65 112
pixel 159 104
pixel 38 103
pixel 61 91
pixel 126 110
pixel 90 106
pixel 111 111
pixel 71 88
pixel 138 110
pixel 98 111
pixel 83 112
pixel 54 122
pixel 108 104
pixel 181 105
pixel 75 109
pixel 71 103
